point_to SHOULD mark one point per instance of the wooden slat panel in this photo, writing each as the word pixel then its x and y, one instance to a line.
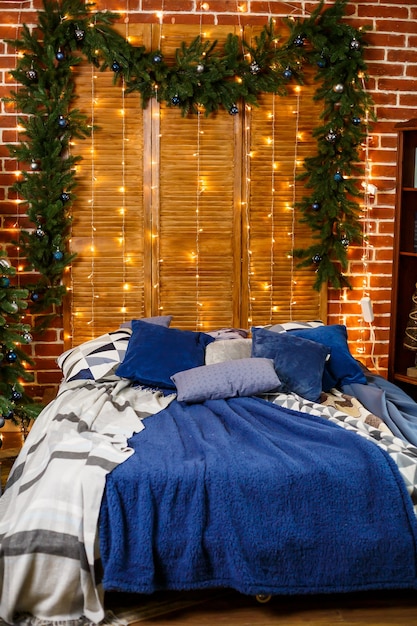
pixel 280 139
pixel 108 283
pixel 199 272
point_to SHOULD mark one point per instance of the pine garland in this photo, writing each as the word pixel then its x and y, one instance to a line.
pixel 203 75
pixel 15 403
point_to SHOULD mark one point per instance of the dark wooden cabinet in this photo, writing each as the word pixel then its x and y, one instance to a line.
pixel 405 257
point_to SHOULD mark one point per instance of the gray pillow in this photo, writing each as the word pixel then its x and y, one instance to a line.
pixel 160 320
pixel 239 377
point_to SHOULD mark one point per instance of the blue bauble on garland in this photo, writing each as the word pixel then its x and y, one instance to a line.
pixel 287 73
pixel 11 356
pixel 338 177
pixel 60 56
pixel 233 110
pixel 157 58
pixel 175 100
pixel 316 206
pixel 317 259
pixel 4 281
pixel 62 122
pixel 65 196
pixel 58 255
pixel 16 395
pixel 322 62
pixel 356 121
pixel 116 67
pixel 35 296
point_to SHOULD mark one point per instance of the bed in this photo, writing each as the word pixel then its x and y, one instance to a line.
pixel 270 463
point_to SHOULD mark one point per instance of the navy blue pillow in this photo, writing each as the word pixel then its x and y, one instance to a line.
pixel 298 362
pixel 155 353
pixel 341 368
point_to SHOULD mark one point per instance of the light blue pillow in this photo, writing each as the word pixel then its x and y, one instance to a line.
pixel 228 379
pixel 298 362
pixel 155 353
pixel 341 367
pixel 161 320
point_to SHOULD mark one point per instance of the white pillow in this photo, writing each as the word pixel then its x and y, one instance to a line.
pixel 228 350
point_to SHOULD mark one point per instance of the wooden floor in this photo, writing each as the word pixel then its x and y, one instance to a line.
pixel 231 609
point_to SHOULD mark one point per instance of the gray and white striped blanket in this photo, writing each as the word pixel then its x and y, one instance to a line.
pixel 48 534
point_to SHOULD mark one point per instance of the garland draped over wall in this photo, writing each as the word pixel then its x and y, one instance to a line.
pixel 203 76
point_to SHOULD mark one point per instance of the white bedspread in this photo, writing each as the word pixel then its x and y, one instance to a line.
pixel 51 528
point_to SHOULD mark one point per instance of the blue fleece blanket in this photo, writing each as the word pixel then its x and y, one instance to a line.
pixel 241 493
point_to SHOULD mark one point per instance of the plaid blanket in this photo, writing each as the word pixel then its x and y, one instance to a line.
pixel 350 414
pixel 48 534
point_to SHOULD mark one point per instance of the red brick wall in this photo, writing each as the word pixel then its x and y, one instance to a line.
pixel 392 62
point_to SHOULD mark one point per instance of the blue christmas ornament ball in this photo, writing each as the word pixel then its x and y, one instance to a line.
pixel 175 100
pixel 62 122
pixel 338 177
pixel 16 396
pixel 356 120
pixel 11 356
pixel 287 73
pixel 60 56
pixel 4 281
pixel 233 110
pixel 65 196
pixel 315 206
pixel 58 255
pixel 115 66
pixel 157 58
pixel 35 296
pixel 316 259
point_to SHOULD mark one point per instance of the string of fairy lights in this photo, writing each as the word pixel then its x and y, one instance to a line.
pixel 199 186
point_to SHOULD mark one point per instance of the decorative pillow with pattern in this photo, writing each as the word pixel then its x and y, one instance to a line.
pixel 95 359
pixel 286 326
pixel 228 379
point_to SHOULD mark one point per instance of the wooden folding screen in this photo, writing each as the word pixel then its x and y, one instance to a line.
pixel 192 217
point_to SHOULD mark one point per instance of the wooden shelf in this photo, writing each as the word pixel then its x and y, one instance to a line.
pixel 405 379
pixel 404 276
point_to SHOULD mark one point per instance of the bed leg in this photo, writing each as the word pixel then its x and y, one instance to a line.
pixel 263 598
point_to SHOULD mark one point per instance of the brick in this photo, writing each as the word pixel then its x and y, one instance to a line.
pixel 382 69
pixel 379 11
